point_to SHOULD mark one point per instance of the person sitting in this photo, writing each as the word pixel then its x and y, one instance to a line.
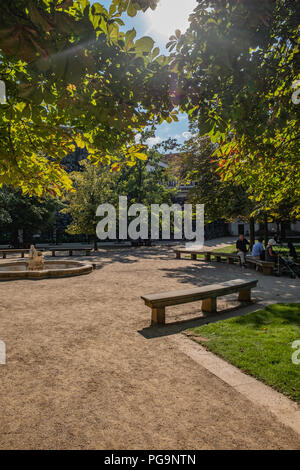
pixel 241 246
pixel 270 254
pixel 258 249
pixel 293 253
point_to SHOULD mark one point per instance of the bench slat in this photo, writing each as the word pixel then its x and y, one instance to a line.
pixel 197 252
pixel 190 295
pixel 50 248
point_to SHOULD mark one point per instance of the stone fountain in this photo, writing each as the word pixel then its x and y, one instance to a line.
pixel 36 261
pixel 38 268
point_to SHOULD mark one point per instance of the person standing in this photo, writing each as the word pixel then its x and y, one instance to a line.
pixel 241 246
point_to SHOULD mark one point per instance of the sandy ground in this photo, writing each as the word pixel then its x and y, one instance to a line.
pixel 85 371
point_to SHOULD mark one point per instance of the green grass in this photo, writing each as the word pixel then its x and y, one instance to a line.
pixel 226 249
pixel 232 249
pixel 260 344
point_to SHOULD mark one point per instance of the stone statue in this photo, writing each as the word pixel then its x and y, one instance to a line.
pixel 36 262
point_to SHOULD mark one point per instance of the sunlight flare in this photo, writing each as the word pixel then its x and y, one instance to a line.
pixel 169 16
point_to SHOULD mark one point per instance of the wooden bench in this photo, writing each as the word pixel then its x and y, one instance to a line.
pixel 7 251
pixel 141 242
pixel 193 253
pixel 70 250
pixel 208 295
pixel 267 267
pixel 230 257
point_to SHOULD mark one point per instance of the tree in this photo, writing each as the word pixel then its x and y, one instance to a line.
pixel 22 216
pixel 72 76
pixel 143 182
pixel 93 185
pixel 236 67
pixel 223 200
pixel 146 181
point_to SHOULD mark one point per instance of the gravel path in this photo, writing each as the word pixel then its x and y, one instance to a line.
pixel 85 371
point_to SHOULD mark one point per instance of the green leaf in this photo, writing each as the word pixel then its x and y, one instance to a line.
pixel 144 44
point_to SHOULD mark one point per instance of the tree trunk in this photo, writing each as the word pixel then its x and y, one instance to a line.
pixel 266 231
pixel 282 230
pixel 95 244
pixel 252 232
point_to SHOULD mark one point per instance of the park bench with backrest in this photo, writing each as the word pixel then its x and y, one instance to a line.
pixel 8 251
pixel 208 294
pixel 87 249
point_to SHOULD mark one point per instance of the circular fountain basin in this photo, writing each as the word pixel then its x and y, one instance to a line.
pixel 19 270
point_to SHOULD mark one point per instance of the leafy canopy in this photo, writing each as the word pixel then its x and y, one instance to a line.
pixel 236 66
pixel 73 77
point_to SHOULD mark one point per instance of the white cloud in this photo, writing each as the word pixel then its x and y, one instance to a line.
pixel 138 138
pixel 153 141
pixel 188 135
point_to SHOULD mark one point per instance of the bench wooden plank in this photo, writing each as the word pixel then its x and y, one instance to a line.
pixel 70 250
pixel 7 251
pixel 230 257
pixel 193 253
pixel 208 295
pixel 197 293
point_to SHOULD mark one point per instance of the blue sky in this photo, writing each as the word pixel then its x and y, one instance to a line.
pixel 160 24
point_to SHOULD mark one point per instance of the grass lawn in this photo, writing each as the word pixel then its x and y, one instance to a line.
pixel 232 249
pixel 260 344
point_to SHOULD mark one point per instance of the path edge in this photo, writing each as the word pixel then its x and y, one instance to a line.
pixel 286 410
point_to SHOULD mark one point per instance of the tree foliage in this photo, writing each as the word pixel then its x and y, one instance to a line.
pixel 236 66
pixel 222 199
pixel 21 212
pixel 93 185
pixel 144 182
pixel 72 77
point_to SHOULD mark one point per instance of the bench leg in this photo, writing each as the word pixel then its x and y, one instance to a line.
pixel 218 258
pixel 245 295
pixel 209 305
pixel 4 255
pixel 87 253
pixel 70 252
pixel 250 265
pixel 194 256
pixel 53 253
pixel 207 257
pixel 177 255
pixel 267 271
pixel 158 316
pixel 230 260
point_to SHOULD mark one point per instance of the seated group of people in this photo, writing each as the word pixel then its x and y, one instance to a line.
pixel 242 244
pixel 258 250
